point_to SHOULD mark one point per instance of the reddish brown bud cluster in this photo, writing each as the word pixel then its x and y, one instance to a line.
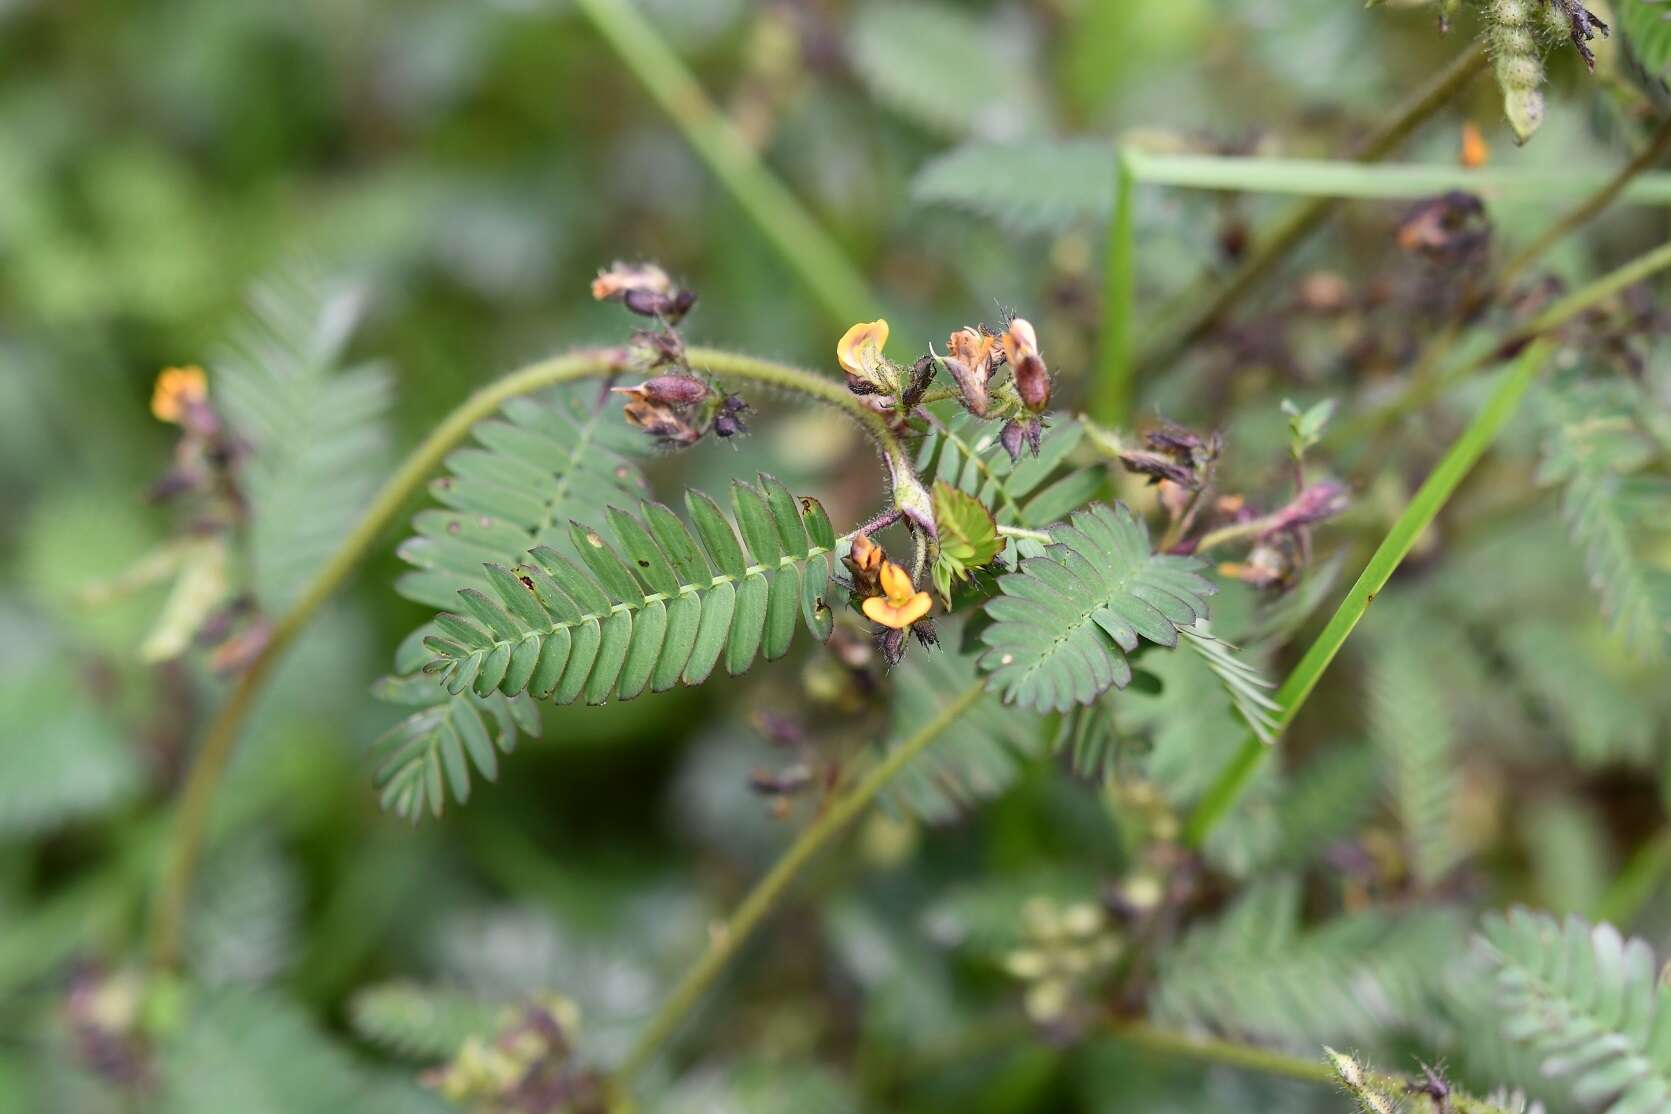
pixel 1174 454
pixel 645 289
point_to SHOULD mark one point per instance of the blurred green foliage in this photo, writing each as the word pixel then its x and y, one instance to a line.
pixel 469 167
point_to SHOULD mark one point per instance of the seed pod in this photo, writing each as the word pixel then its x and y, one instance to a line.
pixel 1515 58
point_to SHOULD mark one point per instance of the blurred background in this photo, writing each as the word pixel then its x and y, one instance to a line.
pixel 470 167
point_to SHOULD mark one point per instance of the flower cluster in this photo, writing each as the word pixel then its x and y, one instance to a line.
pixel 676 407
pixel 888 597
pixel 973 359
pixel 1065 951
pixel 527 1068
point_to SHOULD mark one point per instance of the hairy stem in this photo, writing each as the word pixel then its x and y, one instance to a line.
pixel 220 739
pixel 1434 493
pixel 1253 1058
pixel 1210 303
pixel 808 250
pixel 764 896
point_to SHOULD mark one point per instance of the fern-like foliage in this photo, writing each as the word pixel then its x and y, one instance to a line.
pixel 420 1022
pixel 259 1054
pixel 61 759
pixel 315 431
pixel 1034 492
pixel 1257 972
pixel 1589 1001
pixel 436 746
pixel 977 760
pixel 1647 30
pixel 604 625
pixel 1614 503
pixel 927 62
pixel 1065 621
pixel 1412 731
pixel 1248 689
pixel 1029 187
pixel 544 461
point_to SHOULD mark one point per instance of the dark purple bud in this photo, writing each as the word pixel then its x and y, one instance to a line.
pixel 729 426
pixel 778 729
pixel 1011 438
pixel 681 305
pixel 675 390
pixel 923 631
pixel 892 643
pixel 1173 439
pixel 1159 467
pixel 919 377
pixel 1315 503
pixel 647 303
pixel 1032 382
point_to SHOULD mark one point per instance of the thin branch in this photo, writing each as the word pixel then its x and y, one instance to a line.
pixel 209 764
pixel 1417 516
pixel 1214 298
pixel 764 896
pixel 801 242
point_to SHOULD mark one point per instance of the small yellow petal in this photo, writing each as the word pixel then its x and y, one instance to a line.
pixel 898 616
pixel 861 346
pixel 176 388
pixel 896 584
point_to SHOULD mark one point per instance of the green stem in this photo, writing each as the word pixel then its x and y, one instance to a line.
pixel 1111 394
pixel 810 251
pixel 1637 882
pixel 1215 297
pixel 1417 516
pixel 765 894
pixel 1252 1058
pixel 1586 210
pixel 209 765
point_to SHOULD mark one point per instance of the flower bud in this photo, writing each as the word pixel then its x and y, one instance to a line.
pixel 1021 350
pixel 969 359
pixel 661 422
pixel 620 279
pixel 1017 435
pixel 668 390
pixel 860 354
pixel 1315 503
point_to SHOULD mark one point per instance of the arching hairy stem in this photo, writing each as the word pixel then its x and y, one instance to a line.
pixel 763 897
pixel 209 764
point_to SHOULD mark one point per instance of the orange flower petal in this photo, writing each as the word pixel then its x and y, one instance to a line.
pixel 860 348
pixel 896 584
pixel 898 616
pixel 176 388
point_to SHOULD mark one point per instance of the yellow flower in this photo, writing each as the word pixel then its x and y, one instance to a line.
pixel 900 604
pixel 178 388
pixel 860 354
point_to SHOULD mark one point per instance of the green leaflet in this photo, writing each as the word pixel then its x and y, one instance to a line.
pixel 1590 1001
pixel 441 742
pixel 644 611
pixel 1064 621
